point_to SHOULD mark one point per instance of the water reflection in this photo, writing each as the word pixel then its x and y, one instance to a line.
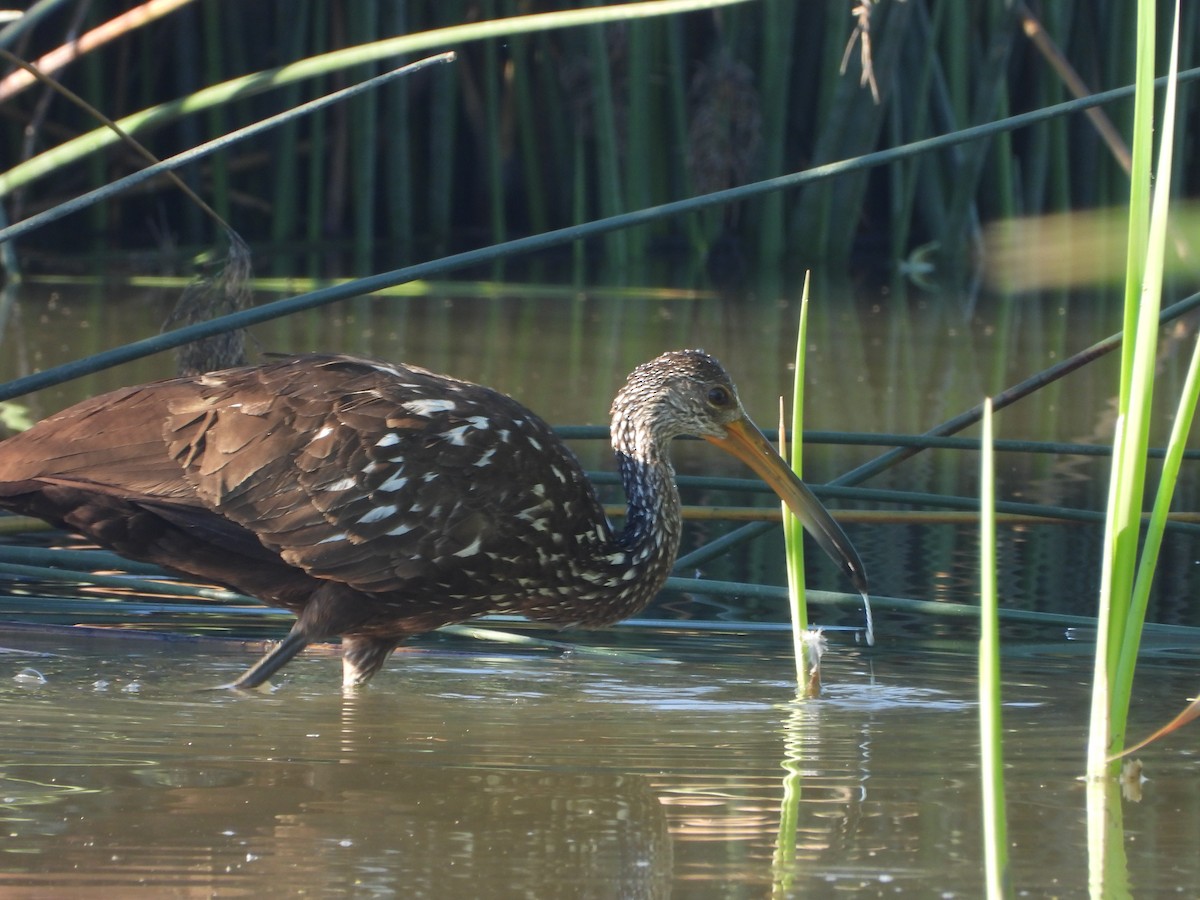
pixel 878 361
pixel 482 774
pixel 498 775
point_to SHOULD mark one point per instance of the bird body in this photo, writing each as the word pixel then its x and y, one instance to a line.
pixel 377 501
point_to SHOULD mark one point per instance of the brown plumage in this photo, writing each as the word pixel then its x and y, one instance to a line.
pixel 378 501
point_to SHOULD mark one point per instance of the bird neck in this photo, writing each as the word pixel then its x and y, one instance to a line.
pixel 650 538
pixel 652 500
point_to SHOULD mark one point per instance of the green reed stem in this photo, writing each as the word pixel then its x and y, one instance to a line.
pixel 793 533
pixel 1125 580
pixel 991 729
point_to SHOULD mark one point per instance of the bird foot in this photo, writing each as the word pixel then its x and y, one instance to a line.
pixel 264 687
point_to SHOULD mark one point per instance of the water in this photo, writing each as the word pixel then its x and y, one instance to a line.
pixel 878 361
pixel 463 771
pixel 468 771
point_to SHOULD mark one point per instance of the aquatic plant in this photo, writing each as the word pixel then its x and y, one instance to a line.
pixel 991 730
pixel 1127 575
pixel 552 127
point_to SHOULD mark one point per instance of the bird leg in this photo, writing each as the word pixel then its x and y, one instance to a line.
pixel 331 609
pixel 275 659
pixel 362 657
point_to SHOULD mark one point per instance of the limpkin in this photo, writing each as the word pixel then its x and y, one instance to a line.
pixel 379 501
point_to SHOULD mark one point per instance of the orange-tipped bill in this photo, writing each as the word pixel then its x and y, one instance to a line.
pixel 747 443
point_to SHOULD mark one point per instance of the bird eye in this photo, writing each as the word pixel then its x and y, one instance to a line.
pixel 718 396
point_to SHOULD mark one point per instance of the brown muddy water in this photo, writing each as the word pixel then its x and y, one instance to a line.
pixel 472 770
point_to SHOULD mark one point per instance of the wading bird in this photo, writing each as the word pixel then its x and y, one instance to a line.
pixel 379 501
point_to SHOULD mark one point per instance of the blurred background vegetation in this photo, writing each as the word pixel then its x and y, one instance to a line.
pixel 539 131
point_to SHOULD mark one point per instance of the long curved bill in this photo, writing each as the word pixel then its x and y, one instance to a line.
pixel 747 443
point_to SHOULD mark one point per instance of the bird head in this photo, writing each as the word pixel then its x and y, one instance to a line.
pixel 687 392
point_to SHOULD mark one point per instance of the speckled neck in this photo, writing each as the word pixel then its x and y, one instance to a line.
pixel 650 538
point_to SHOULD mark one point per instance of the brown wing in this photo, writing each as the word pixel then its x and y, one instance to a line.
pixel 101 468
pixel 111 443
pixel 379 476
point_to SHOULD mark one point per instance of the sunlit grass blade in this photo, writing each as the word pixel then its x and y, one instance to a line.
pixel 807 645
pixel 1120 614
pixel 793 533
pixel 1136 614
pixel 991 750
pixel 1098 729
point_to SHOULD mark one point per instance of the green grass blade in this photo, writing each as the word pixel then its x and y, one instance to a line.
pixel 793 533
pixel 1098 729
pixel 1119 618
pixel 1151 292
pixel 1139 191
pixel 991 751
pixel 1156 526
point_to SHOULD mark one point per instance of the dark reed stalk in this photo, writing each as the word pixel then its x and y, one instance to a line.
pixel 776 29
pixel 364 144
pixel 495 145
pixel 946 78
pixel 218 34
pixel 849 127
pixel 291 25
pixel 318 163
pixel 641 133
pixel 400 140
pixel 442 130
pixel 603 43
pixel 962 221
pixel 535 139
pixel 908 120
